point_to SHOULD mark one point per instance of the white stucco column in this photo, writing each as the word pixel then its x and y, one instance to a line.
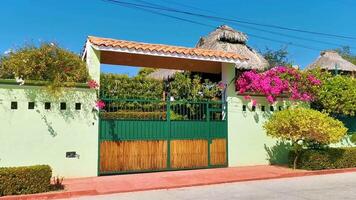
pixel 228 74
pixel 93 62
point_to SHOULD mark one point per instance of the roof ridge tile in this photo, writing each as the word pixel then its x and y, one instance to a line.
pixel 108 42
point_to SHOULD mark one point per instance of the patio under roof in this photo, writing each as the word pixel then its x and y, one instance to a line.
pixel 130 53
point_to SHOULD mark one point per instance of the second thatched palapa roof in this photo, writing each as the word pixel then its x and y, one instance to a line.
pixel 331 60
pixel 225 38
pixel 163 74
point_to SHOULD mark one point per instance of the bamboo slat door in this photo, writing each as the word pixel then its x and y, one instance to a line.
pixel 143 145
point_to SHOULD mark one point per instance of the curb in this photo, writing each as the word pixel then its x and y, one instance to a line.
pixel 52 195
pixel 329 171
pixel 71 194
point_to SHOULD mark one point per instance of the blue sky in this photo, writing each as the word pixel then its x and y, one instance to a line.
pixel 69 22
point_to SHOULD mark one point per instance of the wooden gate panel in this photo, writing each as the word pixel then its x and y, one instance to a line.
pixel 133 155
pixel 218 152
pixel 189 153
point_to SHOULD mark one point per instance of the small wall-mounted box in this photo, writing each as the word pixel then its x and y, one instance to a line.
pixel 72 154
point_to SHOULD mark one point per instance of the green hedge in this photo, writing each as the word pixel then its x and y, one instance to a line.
pixel 133 115
pixel 25 180
pixel 42 83
pixel 329 158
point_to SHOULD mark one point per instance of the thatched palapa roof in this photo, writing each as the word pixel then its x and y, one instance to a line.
pixel 225 38
pixel 163 74
pixel 331 60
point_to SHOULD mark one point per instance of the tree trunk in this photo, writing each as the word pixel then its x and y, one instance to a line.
pixel 297 150
pixel 295 160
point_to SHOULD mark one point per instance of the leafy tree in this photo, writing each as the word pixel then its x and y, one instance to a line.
pixel 336 94
pixel 145 71
pixel 345 52
pixel 125 87
pixel 47 62
pixel 304 127
pixel 277 57
pixel 188 87
pixel 184 86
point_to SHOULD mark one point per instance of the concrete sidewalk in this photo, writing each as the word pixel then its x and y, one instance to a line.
pixel 323 187
pixel 167 180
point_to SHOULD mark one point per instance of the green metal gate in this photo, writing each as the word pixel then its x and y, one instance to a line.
pixel 152 135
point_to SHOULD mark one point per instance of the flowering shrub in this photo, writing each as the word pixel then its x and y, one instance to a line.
pixel 278 81
pixel 304 128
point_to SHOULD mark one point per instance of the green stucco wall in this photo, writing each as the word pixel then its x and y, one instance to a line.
pixel 39 136
pixel 248 143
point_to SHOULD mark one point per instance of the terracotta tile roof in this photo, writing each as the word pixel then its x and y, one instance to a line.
pixel 160 48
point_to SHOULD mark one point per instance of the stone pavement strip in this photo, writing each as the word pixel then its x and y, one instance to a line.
pixel 166 180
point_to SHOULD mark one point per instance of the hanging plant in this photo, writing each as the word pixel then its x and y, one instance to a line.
pixel 276 82
pixel 99 104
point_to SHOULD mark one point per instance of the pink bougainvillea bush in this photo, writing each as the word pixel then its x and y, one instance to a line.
pixel 278 81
